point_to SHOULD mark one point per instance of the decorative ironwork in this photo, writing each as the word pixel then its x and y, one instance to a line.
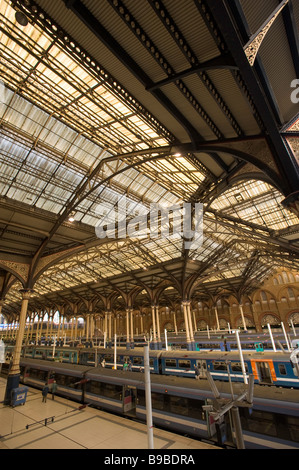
pixel 252 47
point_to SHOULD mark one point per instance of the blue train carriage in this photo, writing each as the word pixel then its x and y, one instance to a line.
pixel 274 368
pixel 182 363
pixel 110 390
pixel 268 368
pixel 69 377
pixel 94 358
pixel 217 362
pixel 61 354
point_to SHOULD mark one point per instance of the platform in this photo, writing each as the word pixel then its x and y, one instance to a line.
pixel 23 427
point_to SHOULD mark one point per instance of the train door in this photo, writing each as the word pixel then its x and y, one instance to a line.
pixel 129 400
pixel 263 371
pixel 202 365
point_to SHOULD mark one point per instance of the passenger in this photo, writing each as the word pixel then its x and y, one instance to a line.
pixel 197 372
pixel 45 392
pixel 130 366
pixel 54 389
pixel 125 366
pixel 103 363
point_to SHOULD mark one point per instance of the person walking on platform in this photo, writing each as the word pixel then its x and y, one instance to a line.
pixel 54 389
pixel 45 392
pixel 197 372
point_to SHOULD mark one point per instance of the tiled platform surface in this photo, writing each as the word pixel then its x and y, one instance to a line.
pixel 77 429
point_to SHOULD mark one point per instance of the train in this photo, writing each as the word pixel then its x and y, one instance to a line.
pixel 220 340
pixel 178 403
pixel 268 367
pixel 227 342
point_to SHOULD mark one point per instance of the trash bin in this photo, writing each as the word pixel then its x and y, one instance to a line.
pixel 18 396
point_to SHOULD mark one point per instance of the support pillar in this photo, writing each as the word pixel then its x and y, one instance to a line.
pixel 127 328
pixel 131 329
pixel 190 325
pixel 72 328
pixel 87 327
pixel 13 378
pixel 51 326
pixel 159 341
pixel 189 346
pixel 175 324
pixel 216 316
pixel 154 340
pixel 109 329
pixel 243 318
pixel 47 329
pixel 76 328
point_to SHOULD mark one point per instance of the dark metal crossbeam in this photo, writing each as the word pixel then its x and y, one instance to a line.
pixel 287 167
pixel 79 9
pixel 221 62
pixel 292 34
pixel 245 33
pixel 173 30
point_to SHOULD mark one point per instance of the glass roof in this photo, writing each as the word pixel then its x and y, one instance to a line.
pixel 61 116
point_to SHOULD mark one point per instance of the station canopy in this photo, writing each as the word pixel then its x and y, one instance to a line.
pixel 113 109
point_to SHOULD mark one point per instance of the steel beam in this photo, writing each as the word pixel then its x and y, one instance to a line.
pixel 286 165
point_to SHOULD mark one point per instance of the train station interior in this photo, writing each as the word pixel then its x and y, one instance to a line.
pixel 149 175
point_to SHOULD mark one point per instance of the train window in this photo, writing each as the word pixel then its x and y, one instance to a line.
pixel 219 365
pixel 184 363
pixel 137 360
pixel 141 397
pixel 112 391
pixel 158 401
pixel 108 357
pixel 105 389
pixel 260 422
pixel 38 374
pixel 67 380
pixel 90 357
pixel 282 369
pixel 170 362
pixel 179 405
pixel 278 425
pixel 94 387
pixel 292 423
pixel 237 367
pixel 151 362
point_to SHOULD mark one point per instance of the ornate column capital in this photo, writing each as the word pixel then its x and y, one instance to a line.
pixel 291 202
pixel 26 293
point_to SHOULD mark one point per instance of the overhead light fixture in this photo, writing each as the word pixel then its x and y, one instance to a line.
pixel 21 18
pixel 71 217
